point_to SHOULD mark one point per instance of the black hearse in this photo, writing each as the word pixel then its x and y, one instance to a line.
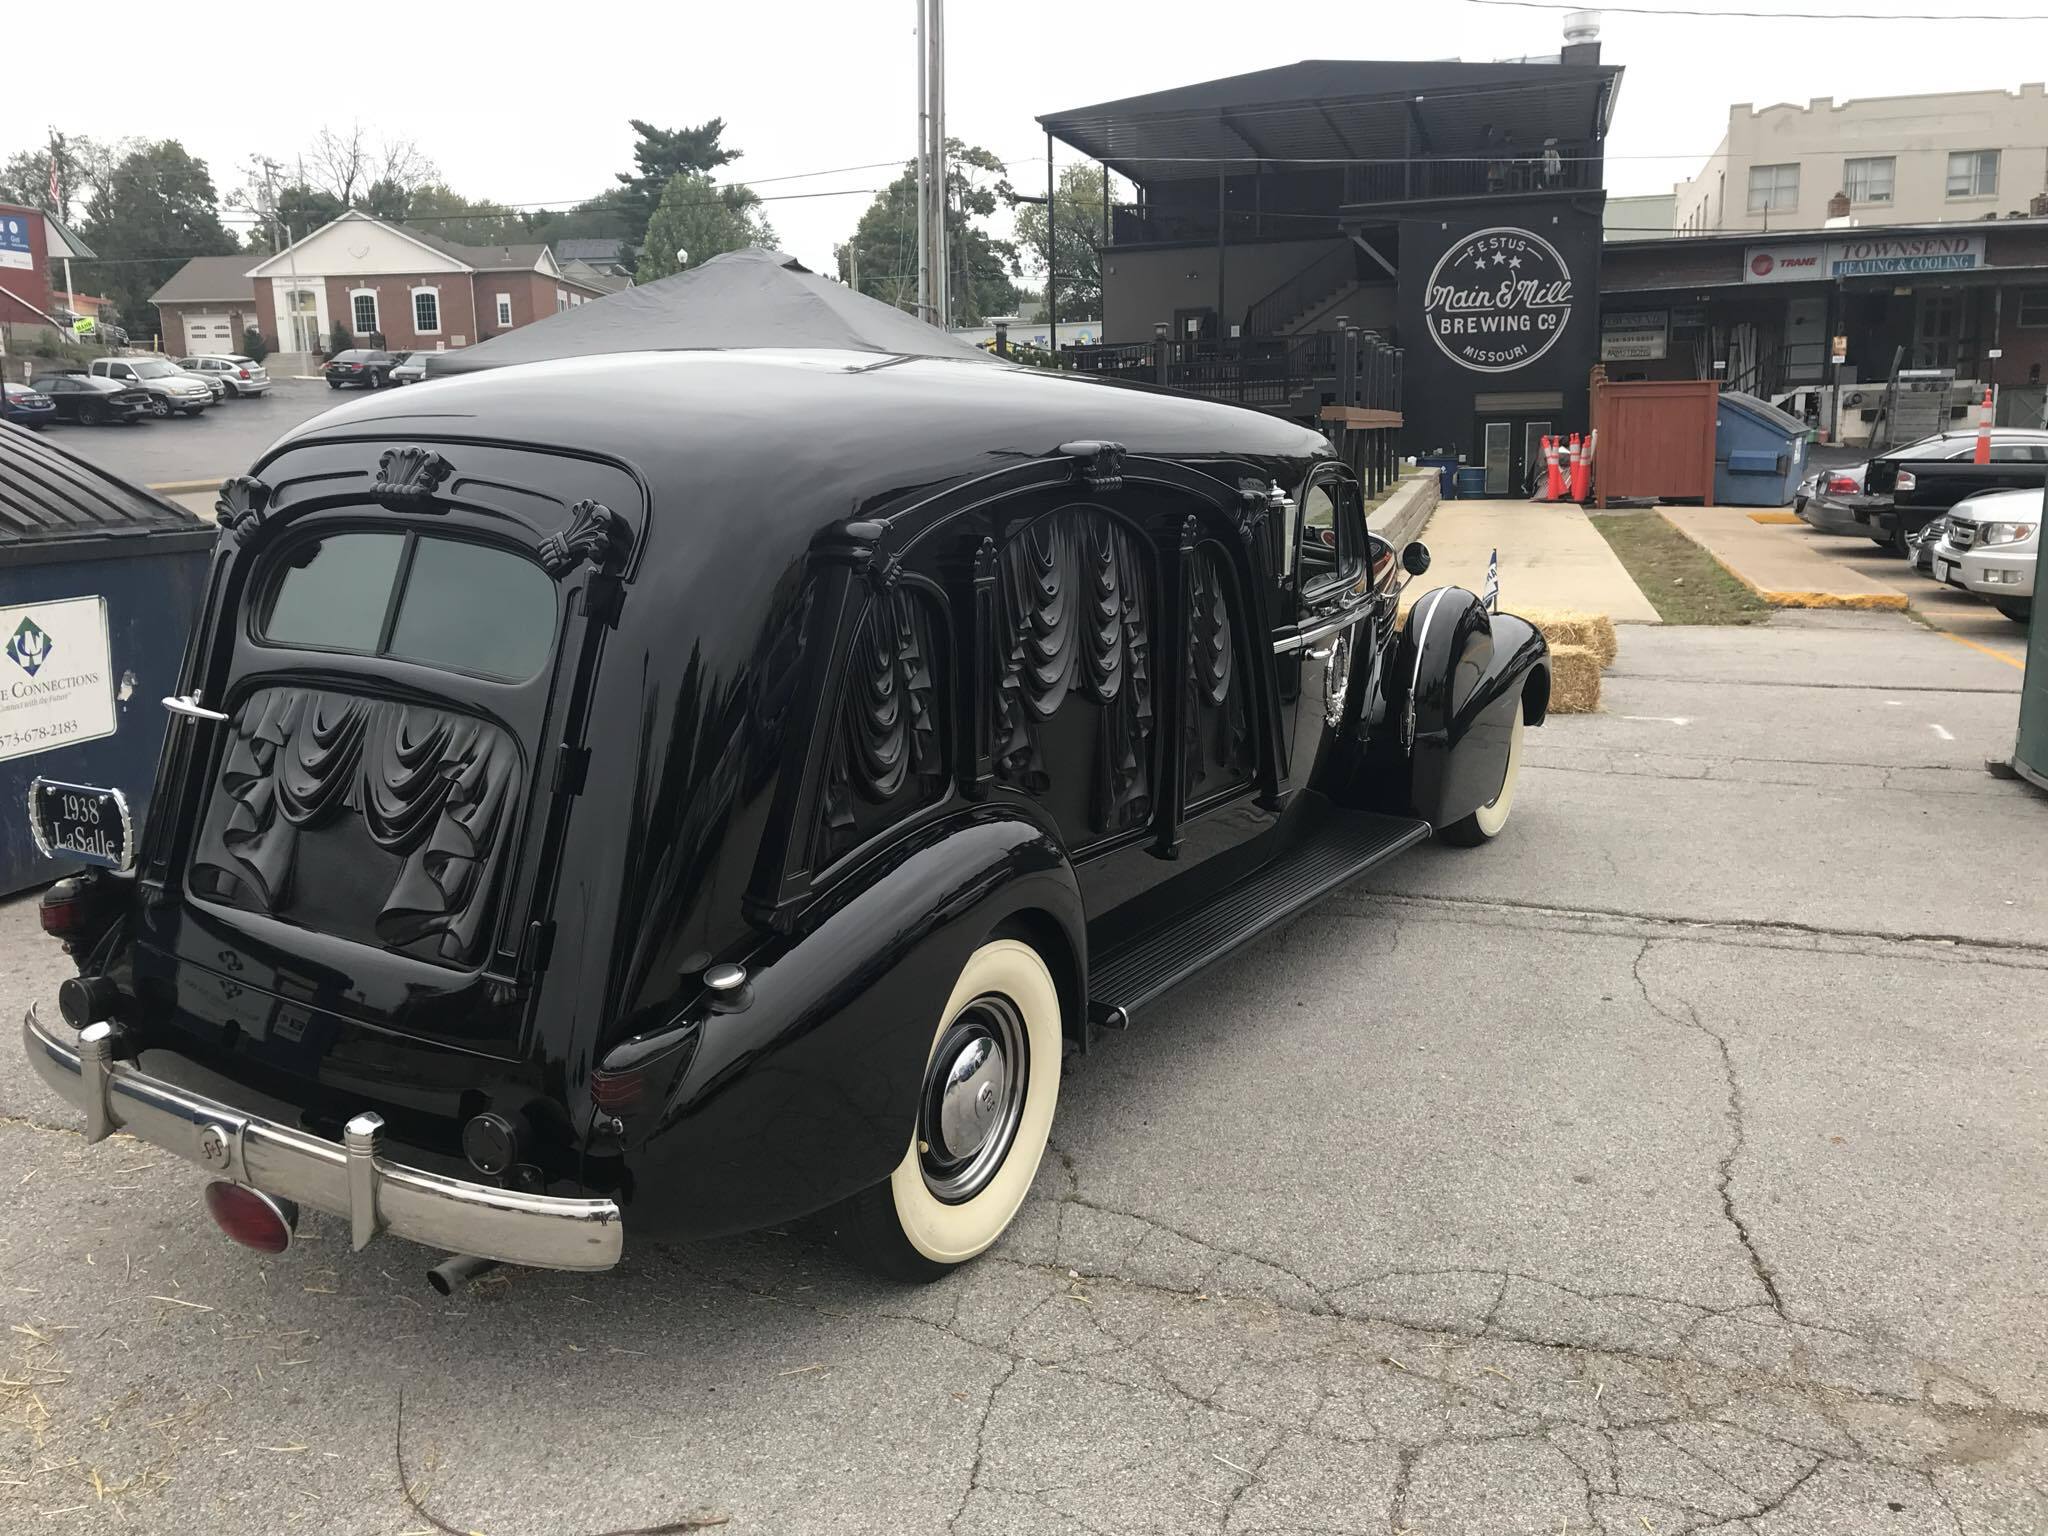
pixel 667 794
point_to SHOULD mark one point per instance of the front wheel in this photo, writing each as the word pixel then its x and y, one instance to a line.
pixel 1485 824
pixel 160 408
pixel 2019 613
pixel 984 1114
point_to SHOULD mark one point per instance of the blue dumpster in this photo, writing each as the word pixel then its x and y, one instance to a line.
pixel 1446 467
pixel 1759 452
pixel 100 583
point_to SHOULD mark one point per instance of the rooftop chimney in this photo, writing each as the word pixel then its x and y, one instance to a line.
pixel 1581 38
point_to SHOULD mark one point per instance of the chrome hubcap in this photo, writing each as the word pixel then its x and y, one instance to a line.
pixel 973 1098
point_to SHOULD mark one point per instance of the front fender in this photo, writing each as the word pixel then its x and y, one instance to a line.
pixel 1438 747
pixel 806 1092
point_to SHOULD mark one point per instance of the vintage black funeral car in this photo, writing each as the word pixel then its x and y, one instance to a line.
pixel 670 794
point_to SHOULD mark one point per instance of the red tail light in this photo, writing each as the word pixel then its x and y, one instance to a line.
pixel 250 1217
pixel 67 908
pixel 616 1091
pixel 243 372
pixel 1843 485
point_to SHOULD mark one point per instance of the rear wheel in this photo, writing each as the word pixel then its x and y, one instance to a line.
pixel 1486 823
pixel 984 1114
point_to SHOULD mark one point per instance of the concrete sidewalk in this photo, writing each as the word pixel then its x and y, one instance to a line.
pixel 1788 566
pixel 1550 557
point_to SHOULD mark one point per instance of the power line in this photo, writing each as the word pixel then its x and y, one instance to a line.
pixel 1645 10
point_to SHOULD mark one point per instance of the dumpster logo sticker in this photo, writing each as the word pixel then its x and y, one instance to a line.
pixel 59 687
pixel 29 648
pixel 1498 299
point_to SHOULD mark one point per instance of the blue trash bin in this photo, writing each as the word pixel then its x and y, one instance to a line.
pixel 1759 452
pixel 1446 467
pixel 1472 481
pixel 100 584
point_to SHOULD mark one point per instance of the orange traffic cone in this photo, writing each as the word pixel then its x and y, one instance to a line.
pixel 1582 470
pixel 1984 429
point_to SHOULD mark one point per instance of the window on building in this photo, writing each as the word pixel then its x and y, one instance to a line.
pixel 1773 188
pixel 2034 308
pixel 1973 173
pixel 363 310
pixel 504 309
pixel 426 310
pixel 561 300
pixel 1869 180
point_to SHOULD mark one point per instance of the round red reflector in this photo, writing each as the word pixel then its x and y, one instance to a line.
pixel 251 1217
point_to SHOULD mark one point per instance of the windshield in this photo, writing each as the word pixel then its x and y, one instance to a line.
pixel 156 368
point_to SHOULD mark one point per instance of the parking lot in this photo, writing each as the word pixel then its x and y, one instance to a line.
pixel 221 441
pixel 1674 1164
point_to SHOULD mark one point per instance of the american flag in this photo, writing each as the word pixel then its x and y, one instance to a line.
pixel 56 199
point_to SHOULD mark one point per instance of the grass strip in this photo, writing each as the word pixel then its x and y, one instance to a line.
pixel 1684 583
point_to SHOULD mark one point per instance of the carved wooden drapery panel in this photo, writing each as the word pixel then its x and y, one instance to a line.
pixel 1076 617
pixel 887 755
pixel 1219 753
pixel 405 810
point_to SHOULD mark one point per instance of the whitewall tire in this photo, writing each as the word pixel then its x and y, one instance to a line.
pixel 985 1111
pixel 1486 823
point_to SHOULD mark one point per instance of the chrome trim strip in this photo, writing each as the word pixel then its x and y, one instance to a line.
pixel 1435 601
pixel 1344 620
pixel 353 1182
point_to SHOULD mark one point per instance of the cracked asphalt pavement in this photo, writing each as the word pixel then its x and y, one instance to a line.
pixel 1675 1164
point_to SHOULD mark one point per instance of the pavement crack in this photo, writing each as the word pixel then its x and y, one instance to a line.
pixel 988 1407
pixel 1736 1115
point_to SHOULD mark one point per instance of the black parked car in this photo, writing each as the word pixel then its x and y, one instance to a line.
pixel 372 370
pixel 85 398
pixel 594 807
pixel 25 406
pixel 1910 487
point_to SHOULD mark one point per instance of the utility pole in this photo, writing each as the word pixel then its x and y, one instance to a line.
pixel 942 266
pixel 924 171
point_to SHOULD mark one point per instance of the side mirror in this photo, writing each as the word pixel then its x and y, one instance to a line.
pixel 1415 558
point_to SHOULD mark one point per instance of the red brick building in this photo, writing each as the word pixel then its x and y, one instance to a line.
pixel 418 292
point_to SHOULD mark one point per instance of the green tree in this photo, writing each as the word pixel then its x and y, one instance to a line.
pixel 1077 201
pixel 82 165
pixel 884 243
pixel 661 155
pixel 696 220
pixel 300 210
pixel 436 209
pixel 156 210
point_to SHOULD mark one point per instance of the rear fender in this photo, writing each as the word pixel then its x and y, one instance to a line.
pixel 1457 674
pixel 804 1089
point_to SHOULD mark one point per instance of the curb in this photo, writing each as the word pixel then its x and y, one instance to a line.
pixel 1868 602
pixel 186 487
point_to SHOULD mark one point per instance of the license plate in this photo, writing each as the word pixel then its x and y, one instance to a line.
pixel 78 821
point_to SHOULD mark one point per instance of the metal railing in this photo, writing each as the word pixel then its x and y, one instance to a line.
pixel 1317 368
pixel 1312 285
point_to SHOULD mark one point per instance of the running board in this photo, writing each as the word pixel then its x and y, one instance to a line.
pixel 1344 845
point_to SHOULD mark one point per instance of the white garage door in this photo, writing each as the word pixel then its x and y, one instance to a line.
pixel 208 333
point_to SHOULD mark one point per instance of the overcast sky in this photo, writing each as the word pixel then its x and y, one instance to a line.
pixel 528 103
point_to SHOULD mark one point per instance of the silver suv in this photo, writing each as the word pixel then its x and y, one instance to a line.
pixel 241 375
pixel 170 387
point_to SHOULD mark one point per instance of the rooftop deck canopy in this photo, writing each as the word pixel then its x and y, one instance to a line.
pixel 1342 111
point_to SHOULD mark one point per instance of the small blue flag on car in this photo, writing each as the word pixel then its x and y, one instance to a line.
pixel 1492 596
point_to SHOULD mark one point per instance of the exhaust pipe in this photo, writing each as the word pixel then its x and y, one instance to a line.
pixel 457 1270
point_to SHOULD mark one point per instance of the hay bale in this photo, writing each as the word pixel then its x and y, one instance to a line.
pixel 1574 680
pixel 1567 626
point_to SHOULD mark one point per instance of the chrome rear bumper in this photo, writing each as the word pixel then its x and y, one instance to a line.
pixel 348 1179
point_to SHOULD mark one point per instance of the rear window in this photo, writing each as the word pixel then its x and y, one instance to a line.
pixel 467 607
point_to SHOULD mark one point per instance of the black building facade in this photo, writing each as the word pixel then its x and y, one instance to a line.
pixel 1449 209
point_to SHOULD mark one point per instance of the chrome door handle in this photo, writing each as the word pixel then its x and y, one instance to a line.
pixel 1324 654
pixel 188 705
